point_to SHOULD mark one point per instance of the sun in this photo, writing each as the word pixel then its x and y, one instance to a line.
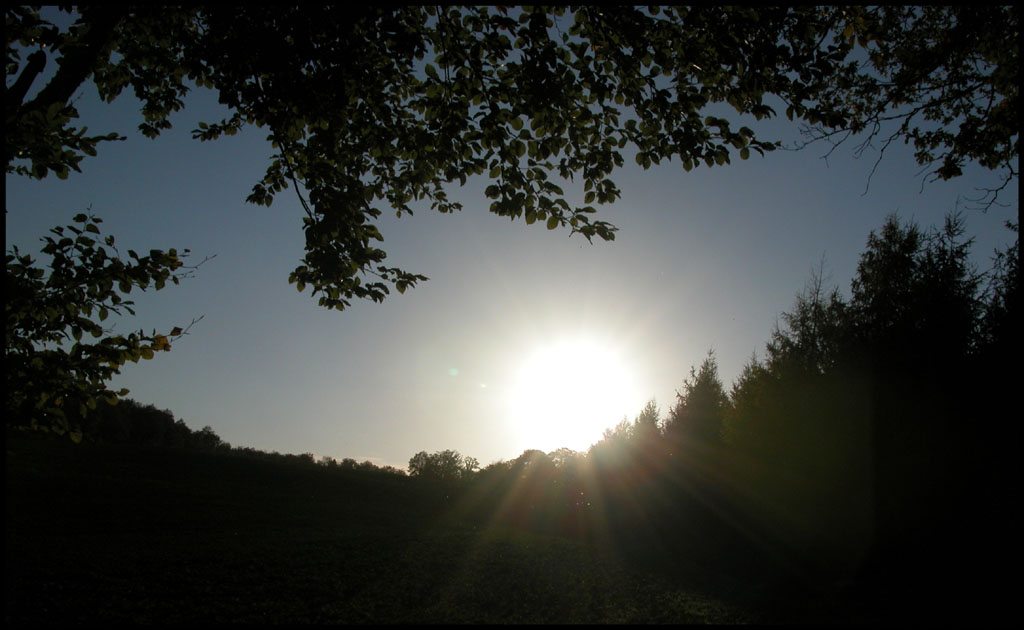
pixel 566 393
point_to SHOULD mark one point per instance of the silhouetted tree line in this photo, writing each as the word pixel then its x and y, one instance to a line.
pixel 348 463
pixel 131 422
pixel 877 441
pixel 134 423
pixel 882 431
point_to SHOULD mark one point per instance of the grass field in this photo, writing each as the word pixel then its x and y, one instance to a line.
pixel 126 534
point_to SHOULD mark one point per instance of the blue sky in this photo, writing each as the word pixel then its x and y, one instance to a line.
pixel 705 259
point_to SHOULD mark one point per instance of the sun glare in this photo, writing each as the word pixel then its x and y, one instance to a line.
pixel 568 392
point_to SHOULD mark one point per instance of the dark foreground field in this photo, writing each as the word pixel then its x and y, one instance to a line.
pixel 124 534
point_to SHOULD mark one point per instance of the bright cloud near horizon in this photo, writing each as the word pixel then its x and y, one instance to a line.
pixel 522 338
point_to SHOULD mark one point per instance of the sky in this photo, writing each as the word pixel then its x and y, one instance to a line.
pixel 522 338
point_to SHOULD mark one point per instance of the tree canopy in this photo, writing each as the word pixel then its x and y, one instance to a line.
pixel 370 109
pixel 447 464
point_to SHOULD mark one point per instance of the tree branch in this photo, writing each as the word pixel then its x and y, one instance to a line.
pixel 78 61
pixel 16 95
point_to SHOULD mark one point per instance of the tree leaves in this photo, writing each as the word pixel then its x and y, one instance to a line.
pixel 392 104
pixel 48 312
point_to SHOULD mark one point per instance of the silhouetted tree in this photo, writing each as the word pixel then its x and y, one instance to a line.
pixel 446 465
pixel 613 449
pixel 207 440
pixel 531 462
pixel 748 401
pixel 419 464
pixel 815 332
pixel 469 466
pixel 696 424
pixel 564 457
pixel 998 371
pixel 914 289
pixel 916 314
pixel 647 427
pixel 178 435
pixel 1002 316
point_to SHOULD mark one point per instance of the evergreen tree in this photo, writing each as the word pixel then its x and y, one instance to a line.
pixel 916 315
pixel 915 293
pixel 814 332
pixel 1001 318
pixel 698 420
pixel 647 429
pixel 747 404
